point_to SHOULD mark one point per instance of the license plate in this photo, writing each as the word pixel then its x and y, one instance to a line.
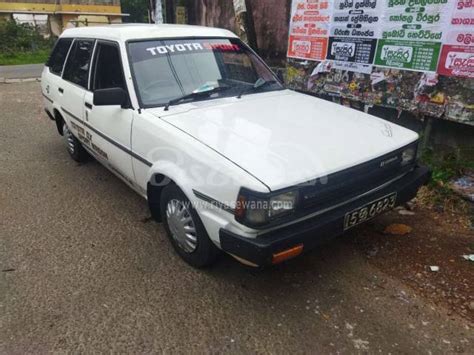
pixel 369 211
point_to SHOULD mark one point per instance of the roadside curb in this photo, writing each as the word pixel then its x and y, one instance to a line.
pixel 23 80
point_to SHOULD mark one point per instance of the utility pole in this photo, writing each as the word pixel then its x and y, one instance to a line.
pixel 244 22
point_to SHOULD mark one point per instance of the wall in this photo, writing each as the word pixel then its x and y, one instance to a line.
pixel 271 19
pixel 67 13
pixel 438 96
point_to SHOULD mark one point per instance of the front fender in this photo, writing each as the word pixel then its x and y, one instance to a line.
pixel 214 215
pixel 163 172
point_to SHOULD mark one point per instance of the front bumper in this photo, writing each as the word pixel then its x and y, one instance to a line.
pixel 316 230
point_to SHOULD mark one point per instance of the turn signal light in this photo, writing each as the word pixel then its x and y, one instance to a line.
pixel 240 208
pixel 287 254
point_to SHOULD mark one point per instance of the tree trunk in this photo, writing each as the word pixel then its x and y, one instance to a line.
pixel 244 23
pixel 169 11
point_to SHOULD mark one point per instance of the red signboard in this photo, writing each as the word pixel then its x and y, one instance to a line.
pixel 313 48
pixel 457 61
pixel 309 29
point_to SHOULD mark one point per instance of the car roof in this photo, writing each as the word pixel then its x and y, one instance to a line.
pixel 124 32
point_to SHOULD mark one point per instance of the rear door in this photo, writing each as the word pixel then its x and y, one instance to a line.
pixel 75 83
pixel 51 78
pixel 109 127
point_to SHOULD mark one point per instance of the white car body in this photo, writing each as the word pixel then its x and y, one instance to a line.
pixel 263 142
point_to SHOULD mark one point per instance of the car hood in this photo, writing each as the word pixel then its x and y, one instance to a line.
pixel 284 138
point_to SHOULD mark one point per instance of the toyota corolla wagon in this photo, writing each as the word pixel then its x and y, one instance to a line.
pixel 226 157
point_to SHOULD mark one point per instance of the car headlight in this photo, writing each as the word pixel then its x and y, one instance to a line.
pixel 408 156
pixel 255 209
pixel 282 204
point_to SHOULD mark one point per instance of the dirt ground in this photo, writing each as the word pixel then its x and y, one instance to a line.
pixel 440 236
pixel 84 269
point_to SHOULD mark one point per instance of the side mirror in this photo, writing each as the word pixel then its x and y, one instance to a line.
pixel 111 97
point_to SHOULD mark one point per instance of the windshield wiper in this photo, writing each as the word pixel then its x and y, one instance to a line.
pixel 195 95
pixel 260 83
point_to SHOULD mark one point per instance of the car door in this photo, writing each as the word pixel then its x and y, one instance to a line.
pixel 109 127
pixel 74 84
pixel 51 78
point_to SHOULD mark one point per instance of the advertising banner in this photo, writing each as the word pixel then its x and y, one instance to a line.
pixel 356 50
pixel 354 31
pixel 409 55
pixel 412 32
pixel 309 29
pixel 457 61
pixel 457 55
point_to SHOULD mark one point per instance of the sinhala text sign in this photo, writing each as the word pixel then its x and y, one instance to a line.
pixel 419 35
pixel 309 29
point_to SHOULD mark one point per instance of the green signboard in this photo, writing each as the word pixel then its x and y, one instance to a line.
pixel 411 55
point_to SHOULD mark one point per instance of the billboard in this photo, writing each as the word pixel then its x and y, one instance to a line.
pixel 419 35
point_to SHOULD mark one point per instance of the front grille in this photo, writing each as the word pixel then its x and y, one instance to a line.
pixel 344 185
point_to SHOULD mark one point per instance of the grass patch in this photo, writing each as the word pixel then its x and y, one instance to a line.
pixel 22 44
pixel 40 56
pixel 444 167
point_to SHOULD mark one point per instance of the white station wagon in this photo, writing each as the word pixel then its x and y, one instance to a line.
pixel 227 158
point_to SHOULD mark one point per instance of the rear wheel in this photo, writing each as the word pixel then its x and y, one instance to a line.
pixel 74 147
pixel 185 229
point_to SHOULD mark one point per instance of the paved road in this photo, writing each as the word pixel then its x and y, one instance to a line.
pixel 84 269
pixel 21 71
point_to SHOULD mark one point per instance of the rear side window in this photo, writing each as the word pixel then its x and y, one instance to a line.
pixel 78 62
pixel 107 68
pixel 58 56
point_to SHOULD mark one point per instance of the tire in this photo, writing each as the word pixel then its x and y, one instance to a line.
pixel 185 229
pixel 74 147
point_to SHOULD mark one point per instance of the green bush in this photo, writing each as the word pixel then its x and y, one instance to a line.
pixel 21 40
pixel 445 166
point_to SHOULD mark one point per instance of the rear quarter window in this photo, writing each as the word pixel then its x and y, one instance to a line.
pixel 58 55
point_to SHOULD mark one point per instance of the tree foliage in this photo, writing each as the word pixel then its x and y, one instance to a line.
pixel 18 38
pixel 138 10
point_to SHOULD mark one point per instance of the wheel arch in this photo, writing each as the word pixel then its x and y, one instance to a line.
pixel 59 120
pixel 162 175
pixel 155 187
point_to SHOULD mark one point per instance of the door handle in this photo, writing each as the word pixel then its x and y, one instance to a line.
pixel 88 105
pixel 61 90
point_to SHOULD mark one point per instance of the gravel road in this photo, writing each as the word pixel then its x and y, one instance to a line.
pixel 84 269
pixel 21 71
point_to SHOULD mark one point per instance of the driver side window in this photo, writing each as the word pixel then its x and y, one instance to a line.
pixel 108 71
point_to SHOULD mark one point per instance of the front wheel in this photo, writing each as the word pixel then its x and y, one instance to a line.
pixel 74 147
pixel 185 229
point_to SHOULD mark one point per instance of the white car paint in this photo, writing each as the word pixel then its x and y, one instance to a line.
pixel 284 138
pixel 263 142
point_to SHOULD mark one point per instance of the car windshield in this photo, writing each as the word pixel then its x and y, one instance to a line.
pixel 167 70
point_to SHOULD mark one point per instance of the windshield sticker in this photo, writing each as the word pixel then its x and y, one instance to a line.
pixel 192 47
